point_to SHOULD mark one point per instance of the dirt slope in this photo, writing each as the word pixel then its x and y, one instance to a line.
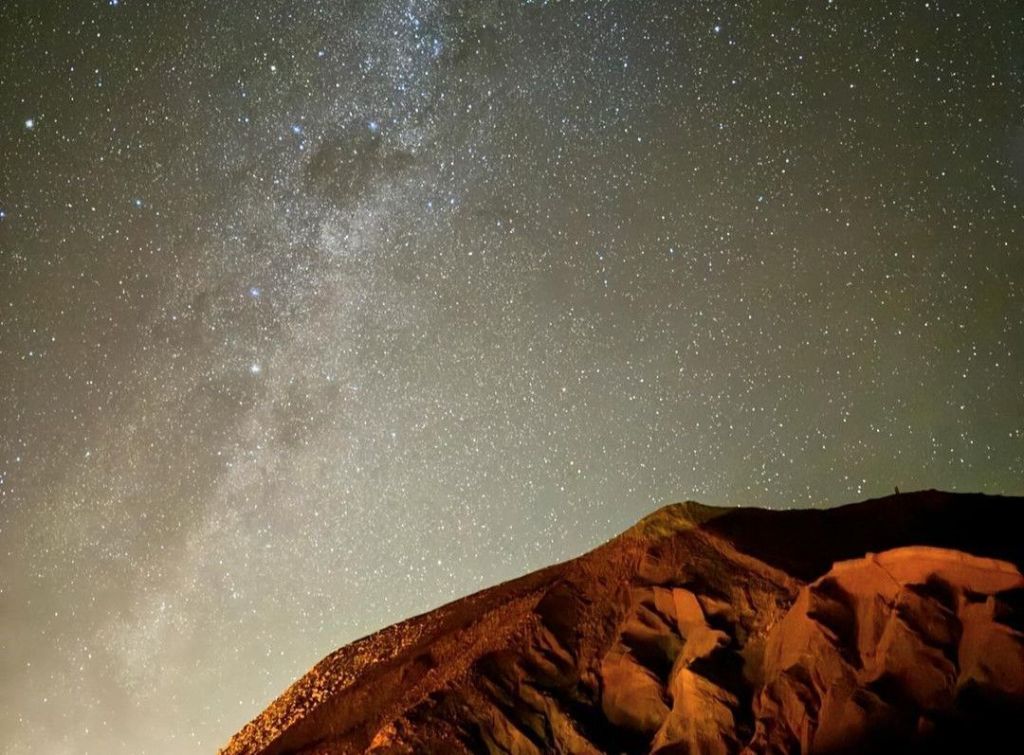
pixel 701 630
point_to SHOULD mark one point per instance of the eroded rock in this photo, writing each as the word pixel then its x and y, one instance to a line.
pixel 701 630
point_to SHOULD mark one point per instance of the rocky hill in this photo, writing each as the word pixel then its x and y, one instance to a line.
pixel 892 624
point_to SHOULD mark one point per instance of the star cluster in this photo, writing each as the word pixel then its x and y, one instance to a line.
pixel 315 315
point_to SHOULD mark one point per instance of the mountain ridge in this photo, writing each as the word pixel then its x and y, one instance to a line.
pixel 677 612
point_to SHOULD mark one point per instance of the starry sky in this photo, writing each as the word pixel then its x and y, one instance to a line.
pixel 316 315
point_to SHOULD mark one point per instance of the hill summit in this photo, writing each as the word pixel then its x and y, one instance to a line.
pixel 892 624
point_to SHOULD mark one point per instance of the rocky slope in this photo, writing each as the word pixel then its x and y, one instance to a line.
pixel 896 623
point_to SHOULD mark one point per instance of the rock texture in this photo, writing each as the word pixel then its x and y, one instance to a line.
pixel 891 649
pixel 894 624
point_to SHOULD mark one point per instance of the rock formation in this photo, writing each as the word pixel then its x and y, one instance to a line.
pixel 894 624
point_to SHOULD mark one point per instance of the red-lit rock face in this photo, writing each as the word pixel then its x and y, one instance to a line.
pixel 695 632
pixel 888 646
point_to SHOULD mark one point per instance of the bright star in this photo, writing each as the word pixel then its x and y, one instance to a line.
pixel 30 123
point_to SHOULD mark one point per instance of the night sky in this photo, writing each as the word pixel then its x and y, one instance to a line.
pixel 316 315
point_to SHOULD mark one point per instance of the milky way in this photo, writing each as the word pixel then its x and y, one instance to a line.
pixel 316 315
